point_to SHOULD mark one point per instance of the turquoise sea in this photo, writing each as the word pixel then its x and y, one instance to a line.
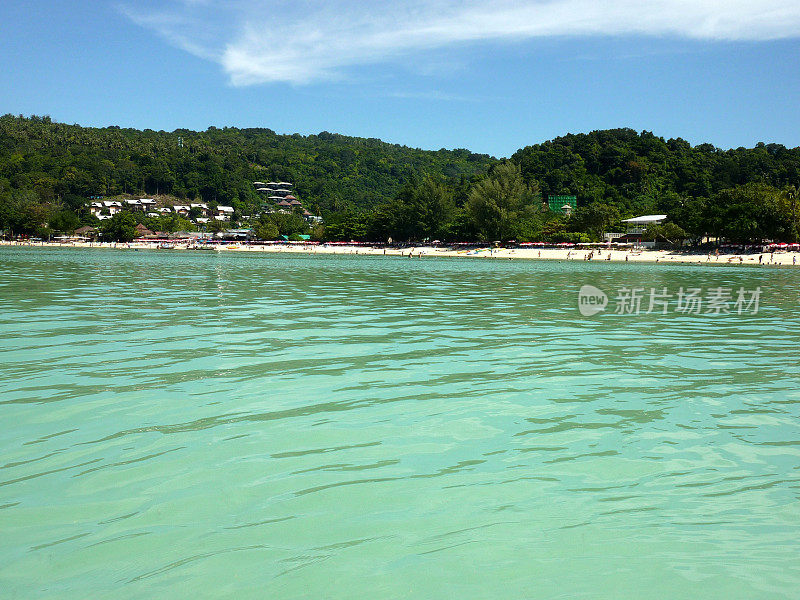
pixel 226 425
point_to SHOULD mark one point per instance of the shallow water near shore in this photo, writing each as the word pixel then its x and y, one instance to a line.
pixel 249 426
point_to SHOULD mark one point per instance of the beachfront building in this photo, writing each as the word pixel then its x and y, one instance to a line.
pixel 612 237
pixel 105 209
pixel 142 231
pixel 235 234
pixel 201 206
pixel 87 232
pixel 139 204
pixel 636 227
pixel 224 213
pixel 112 206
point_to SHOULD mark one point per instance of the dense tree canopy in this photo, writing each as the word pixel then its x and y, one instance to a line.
pixel 368 189
pixel 217 165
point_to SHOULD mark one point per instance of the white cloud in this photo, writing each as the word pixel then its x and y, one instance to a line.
pixel 302 41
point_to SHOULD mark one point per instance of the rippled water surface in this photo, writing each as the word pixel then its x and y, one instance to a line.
pixel 180 425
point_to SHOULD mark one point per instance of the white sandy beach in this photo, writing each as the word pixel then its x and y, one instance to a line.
pixel 421 252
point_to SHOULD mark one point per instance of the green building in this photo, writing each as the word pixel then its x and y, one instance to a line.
pixel 556 203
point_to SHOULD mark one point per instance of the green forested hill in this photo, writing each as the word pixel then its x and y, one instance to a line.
pixel 368 189
pixel 217 165
pixel 643 172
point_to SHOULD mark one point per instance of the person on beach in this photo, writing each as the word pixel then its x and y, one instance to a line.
pixel 760 258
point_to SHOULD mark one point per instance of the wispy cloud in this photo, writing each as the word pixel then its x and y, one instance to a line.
pixel 303 41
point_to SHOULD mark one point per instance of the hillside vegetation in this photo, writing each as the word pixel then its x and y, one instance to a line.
pixel 368 189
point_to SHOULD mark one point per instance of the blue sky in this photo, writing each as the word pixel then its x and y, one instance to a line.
pixel 488 76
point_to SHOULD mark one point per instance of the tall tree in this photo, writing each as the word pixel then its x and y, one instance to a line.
pixel 120 228
pixel 500 202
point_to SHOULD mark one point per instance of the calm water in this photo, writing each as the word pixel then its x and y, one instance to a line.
pixel 183 425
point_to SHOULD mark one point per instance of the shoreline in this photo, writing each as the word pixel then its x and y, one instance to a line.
pixel 783 258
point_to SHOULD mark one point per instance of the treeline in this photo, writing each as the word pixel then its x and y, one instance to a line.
pixel 369 190
pixel 70 163
pixel 504 206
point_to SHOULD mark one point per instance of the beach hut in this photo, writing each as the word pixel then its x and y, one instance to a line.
pixel 87 232
pixel 142 231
